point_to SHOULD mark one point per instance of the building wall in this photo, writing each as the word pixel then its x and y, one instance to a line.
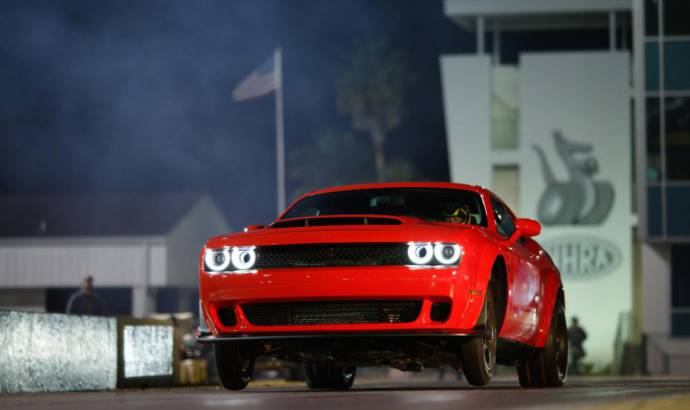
pixel 575 120
pixel 585 97
pixel 656 289
pixel 467 104
pixel 64 262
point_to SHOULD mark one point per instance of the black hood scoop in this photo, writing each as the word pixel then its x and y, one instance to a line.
pixel 336 220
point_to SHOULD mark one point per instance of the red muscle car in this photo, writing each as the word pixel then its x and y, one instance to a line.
pixel 408 275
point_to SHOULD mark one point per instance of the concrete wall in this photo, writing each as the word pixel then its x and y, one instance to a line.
pixel 656 289
pixel 53 352
pixel 664 354
pixel 467 104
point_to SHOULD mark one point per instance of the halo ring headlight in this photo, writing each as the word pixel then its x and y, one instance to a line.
pixel 420 253
pixel 243 258
pixel 447 253
pixel 217 260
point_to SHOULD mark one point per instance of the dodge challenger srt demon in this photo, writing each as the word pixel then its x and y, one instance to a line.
pixel 408 275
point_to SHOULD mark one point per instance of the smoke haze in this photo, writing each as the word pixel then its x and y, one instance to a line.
pixel 136 96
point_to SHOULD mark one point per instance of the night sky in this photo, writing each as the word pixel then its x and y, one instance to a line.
pixel 135 96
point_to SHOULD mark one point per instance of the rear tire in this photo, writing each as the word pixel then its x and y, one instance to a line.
pixel 329 377
pixel 235 363
pixel 479 354
pixel 549 367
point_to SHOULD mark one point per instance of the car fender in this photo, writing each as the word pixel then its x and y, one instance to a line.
pixel 552 287
pixel 481 260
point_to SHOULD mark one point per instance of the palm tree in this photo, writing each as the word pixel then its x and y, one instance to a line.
pixel 370 89
pixel 331 158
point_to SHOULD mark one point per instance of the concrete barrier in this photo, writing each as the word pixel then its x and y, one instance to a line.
pixel 42 352
pixel 47 352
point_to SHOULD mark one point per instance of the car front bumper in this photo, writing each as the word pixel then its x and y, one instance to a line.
pixel 428 285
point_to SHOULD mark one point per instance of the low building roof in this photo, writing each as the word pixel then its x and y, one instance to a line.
pixel 93 214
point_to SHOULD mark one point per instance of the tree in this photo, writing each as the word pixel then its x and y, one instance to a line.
pixel 370 89
pixel 332 158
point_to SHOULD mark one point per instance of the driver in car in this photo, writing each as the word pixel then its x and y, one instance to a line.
pixel 459 215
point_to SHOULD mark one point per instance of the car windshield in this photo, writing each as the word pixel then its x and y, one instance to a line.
pixel 431 204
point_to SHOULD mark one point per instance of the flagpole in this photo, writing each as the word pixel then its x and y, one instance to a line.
pixel 280 132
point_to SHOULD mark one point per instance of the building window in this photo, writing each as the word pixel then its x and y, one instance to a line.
pixel 505 182
pixel 677 64
pixel 651 72
pixel 676 17
pixel 653 140
pixel 504 107
pixel 677 205
pixel 677 136
pixel 651 20
pixel 654 211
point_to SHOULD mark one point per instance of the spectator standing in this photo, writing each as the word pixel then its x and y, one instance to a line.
pixel 576 338
pixel 85 301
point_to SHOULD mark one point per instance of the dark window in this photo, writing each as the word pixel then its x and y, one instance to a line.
pixel 680 290
pixel 171 300
pixel 677 205
pixel 115 301
pixel 654 211
pixel 653 140
pixel 651 65
pixel 431 204
pixel 677 64
pixel 677 116
pixel 680 276
pixel 676 17
pixel 505 223
pixel 651 17
pixel 680 324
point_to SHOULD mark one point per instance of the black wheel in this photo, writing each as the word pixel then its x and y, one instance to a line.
pixel 479 354
pixel 329 377
pixel 549 367
pixel 235 363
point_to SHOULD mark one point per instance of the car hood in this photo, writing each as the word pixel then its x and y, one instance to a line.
pixel 408 231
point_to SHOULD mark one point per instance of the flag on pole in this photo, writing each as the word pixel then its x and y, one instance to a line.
pixel 260 82
pixel 265 79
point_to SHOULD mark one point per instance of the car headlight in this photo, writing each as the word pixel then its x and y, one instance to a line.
pixel 420 253
pixel 243 258
pixel 439 253
pixel 217 260
pixel 447 253
pixel 229 259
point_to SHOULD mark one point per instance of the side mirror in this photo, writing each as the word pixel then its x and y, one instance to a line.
pixel 253 227
pixel 528 227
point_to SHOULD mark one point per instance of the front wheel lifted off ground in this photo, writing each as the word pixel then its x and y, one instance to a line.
pixel 479 354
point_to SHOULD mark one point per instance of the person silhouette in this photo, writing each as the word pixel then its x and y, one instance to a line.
pixel 576 338
pixel 85 301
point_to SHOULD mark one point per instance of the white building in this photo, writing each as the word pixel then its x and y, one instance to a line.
pixel 554 135
pixel 144 242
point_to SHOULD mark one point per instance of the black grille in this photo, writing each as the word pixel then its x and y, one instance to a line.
pixel 332 312
pixel 366 254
